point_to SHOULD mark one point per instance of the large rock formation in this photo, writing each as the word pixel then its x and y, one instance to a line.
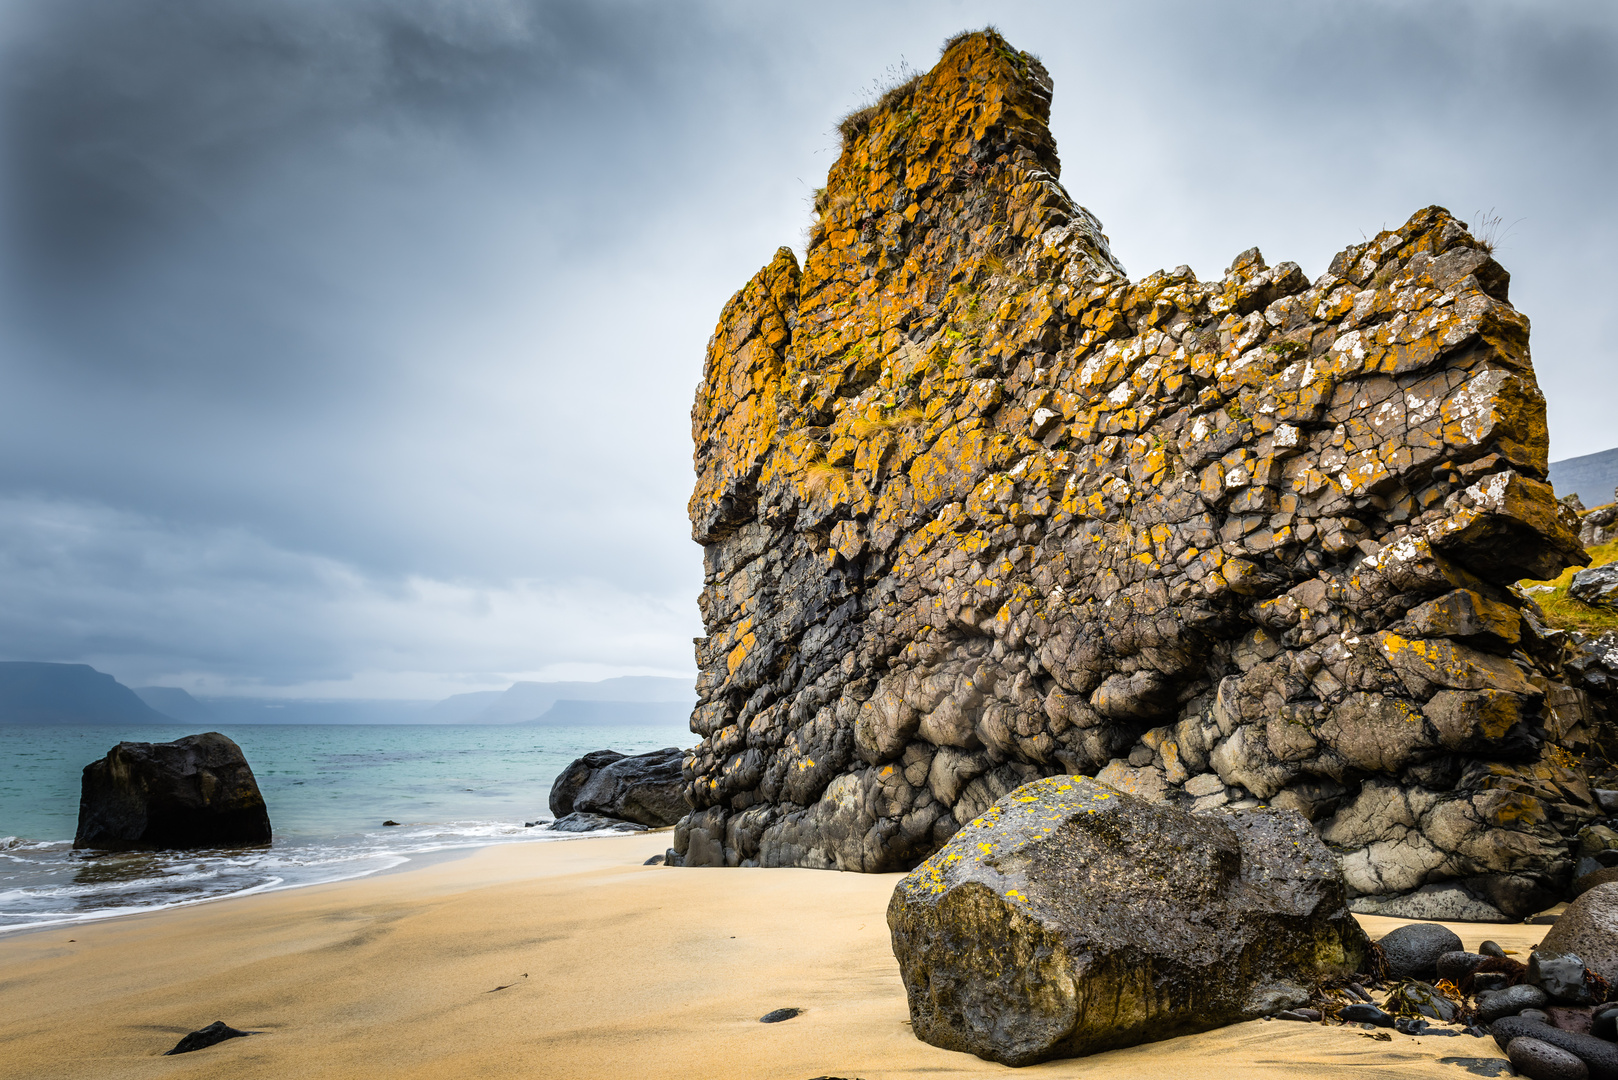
pixel 977 508
pixel 1072 918
pixel 193 792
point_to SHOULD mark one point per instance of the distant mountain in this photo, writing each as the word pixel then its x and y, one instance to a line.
pixel 40 693
pixel 527 701
pixel 1591 477
pixel 587 713
pixel 176 703
pixel 246 710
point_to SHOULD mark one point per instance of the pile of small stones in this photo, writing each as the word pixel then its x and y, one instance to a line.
pixel 1551 1015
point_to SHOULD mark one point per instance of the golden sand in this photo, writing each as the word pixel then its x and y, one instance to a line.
pixel 566 960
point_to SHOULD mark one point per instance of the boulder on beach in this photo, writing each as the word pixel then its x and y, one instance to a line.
pixel 193 792
pixel 1589 930
pixel 1071 918
pixel 642 788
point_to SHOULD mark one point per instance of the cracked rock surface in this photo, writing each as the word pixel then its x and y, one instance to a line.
pixel 977 509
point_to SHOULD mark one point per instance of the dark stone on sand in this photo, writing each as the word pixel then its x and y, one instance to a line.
pixel 1362 1012
pixel 655 860
pixel 1497 1004
pixel 1561 975
pixel 1412 951
pixel 1491 948
pixel 586 822
pixel 644 788
pixel 775 1016
pixel 1070 917
pixel 1457 965
pixel 673 858
pixel 193 792
pixel 1601 1056
pixel 1489 980
pixel 1307 1015
pixel 1539 1060
pixel 1589 928
pixel 216 1032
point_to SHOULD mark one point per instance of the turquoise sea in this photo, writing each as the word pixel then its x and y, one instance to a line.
pixel 328 789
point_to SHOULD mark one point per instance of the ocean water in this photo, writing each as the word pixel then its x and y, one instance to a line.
pixel 328 790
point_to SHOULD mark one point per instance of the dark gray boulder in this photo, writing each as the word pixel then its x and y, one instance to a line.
pixel 1071 918
pixel 566 787
pixel 215 1033
pixel 1589 929
pixel 193 792
pixel 643 788
pixel 1497 1004
pixel 1597 586
pixel 1412 951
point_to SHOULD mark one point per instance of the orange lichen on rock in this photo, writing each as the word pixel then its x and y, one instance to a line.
pixel 977 509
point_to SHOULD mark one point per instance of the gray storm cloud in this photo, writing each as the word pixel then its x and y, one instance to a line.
pixel 348 347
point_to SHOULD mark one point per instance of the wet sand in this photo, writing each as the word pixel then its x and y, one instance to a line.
pixel 567 960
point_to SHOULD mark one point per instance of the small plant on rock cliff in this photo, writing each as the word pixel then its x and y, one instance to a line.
pixel 910 416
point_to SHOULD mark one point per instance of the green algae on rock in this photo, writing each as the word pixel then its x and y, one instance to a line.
pixel 976 509
pixel 1072 917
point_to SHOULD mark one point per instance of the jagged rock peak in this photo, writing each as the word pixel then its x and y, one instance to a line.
pixel 977 508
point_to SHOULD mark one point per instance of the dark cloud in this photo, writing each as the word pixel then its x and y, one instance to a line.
pixel 356 340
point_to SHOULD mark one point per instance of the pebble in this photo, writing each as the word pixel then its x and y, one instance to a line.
pixel 1489 948
pixel 775 1016
pixel 1604 1024
pixel 1412 950
pixel 216 1032
pixel 1600 1056
pixel 1364 1013
pixel 1562 977
pixel 1497 1004
pixel 1457 965
pixel 1541 1061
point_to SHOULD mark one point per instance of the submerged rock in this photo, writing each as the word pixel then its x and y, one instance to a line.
pixel 193 792
pixel 1072 918
pixel 642 788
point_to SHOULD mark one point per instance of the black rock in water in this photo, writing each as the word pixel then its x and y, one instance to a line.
pixel 1412 951
pixel 645 788
pixel 216 1032
pixel 193 792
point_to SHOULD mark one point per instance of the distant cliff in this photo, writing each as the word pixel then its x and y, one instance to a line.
pixel 978 508
pixel 39 693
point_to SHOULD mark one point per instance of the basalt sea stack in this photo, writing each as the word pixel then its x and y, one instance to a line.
pixel 978 509
pixel 193 792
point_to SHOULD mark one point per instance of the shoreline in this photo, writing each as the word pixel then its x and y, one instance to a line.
pixel 566 960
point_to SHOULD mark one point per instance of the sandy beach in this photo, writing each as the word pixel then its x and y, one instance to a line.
pixel 565 960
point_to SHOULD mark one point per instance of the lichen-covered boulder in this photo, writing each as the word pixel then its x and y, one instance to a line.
pixel 646 789
pixel 193 792
pixel 977 507
pixel 1072 917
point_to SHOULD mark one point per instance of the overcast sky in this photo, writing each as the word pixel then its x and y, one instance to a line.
pixel 348 346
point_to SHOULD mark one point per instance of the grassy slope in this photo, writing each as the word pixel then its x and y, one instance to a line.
pixel 1569 614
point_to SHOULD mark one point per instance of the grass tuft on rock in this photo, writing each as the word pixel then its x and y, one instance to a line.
pixel 1565 613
